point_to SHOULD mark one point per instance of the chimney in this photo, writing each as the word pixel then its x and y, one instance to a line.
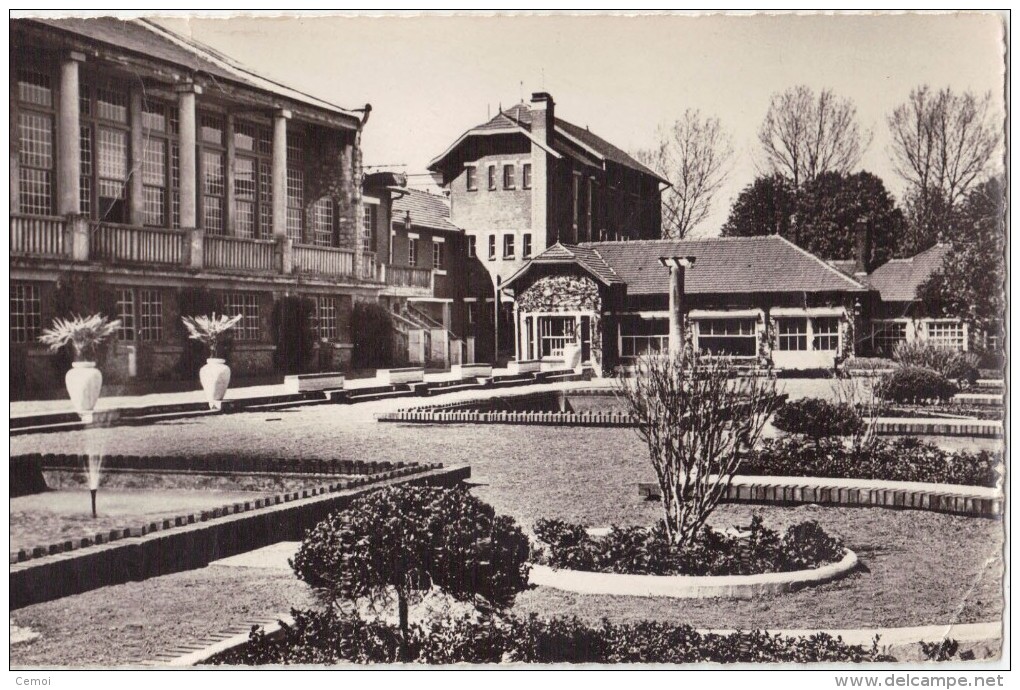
pixel 862 248
pixel 543 116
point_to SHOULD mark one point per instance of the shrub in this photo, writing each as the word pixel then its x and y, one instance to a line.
pixel 329 637
pixel 293 333
pixel 192 302
pixel 408 539
pixel 953 364
pixel 372 333
pixel 636 550
pixel 904 459
pixel 918 385
pixel 76 294
pixel 817 418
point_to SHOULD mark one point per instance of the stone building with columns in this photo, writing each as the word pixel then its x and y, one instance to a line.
pixel 149 173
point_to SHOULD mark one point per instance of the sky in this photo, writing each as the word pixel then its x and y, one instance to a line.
pixel 431 78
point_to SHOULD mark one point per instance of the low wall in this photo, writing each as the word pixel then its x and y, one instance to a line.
pixel 190 546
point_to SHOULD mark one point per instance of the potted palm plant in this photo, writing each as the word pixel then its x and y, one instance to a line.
pixel 215 375
pixel 85 334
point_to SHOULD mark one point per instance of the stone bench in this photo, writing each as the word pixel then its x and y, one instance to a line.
pixel 392 377
pixel 471 371
pixel 303 383
pixel 524 366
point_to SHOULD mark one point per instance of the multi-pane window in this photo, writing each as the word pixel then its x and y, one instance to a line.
pixel 508 246
pixel 554 334
pixel 368 223
pixel 577 200
pixel 526 247
pixel 35 142
pixel 295 186
pixel 412 252
pixel 948 334
pixel 326 308
pixel 247 305
pixel 126 314
pixel 26 312
pixel 85 179
pixel 886 335
pixel 322 222
pixel 509 176
pixel 150 315
pixel 210 130
pixel 266 195
pixel 826 334
pixel 728 337
pixel 639 337
pixel 792 334
pixel 437 255
pixel 154 180
pixel 245 194
pixel 112 105
pixel 213 187
pixel 492 247
pixel 492 177
pixel 470 173
pixel 112 163
pixel 472 246
pixel 175 179
pixel 35 169
pixel 526 176
pixel 588 207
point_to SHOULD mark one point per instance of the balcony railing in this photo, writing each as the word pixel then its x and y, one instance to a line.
pixel 76 238
pixel 327 261
pixel 128 243
pixel 237 254
pixel 405 276
pixel 38 236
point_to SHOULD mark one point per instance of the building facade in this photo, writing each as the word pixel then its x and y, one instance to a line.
pixel 526 180
pixel 762 300
pixel 153 178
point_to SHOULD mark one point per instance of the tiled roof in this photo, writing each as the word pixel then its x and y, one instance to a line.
pixel 722 265
pixel 153 40
pixel 898 279
pixel 585 256
pixel 427 210
pixel 519 115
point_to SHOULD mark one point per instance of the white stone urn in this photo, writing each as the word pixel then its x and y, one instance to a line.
pixel 215 378
pixel 84 381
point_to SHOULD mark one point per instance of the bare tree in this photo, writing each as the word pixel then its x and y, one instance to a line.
pixel 697 418
pixel 694 155
pixel 942 141
pixel 803 135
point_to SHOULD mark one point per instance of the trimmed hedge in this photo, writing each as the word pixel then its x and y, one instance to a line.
pixel 326 637
pixel 817 418
pixel 640 551
pixel 912 384
pixel 905 459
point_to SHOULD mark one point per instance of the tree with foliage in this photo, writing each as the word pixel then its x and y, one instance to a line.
pixel 804 134
pixel 697 417
pixel 764 207
pixel 970 283
pixel 822 218
pixel 294 333
pixel 942 144
pixel 402 541
pixel 372 333
pixel 694 155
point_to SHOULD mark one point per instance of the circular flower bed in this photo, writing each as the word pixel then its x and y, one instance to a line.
pixel 642 551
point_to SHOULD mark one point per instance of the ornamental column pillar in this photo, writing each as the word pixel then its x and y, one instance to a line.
pixel 68 136
pixel 677 265
pixel 187 129
pixel 280 172
pixel 136 185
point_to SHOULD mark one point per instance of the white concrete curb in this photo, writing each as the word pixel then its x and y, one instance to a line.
pixel 690 586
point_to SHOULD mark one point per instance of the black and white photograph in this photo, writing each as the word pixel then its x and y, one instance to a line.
pixel 506 340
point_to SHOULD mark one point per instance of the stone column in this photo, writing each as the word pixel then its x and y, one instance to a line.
pixel 136 185
pixel 68 137
pixel 280 173
pixel 677 265
pixel 229 192
pixel 187 129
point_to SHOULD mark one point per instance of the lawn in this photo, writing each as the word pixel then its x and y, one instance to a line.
pixel 921 568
